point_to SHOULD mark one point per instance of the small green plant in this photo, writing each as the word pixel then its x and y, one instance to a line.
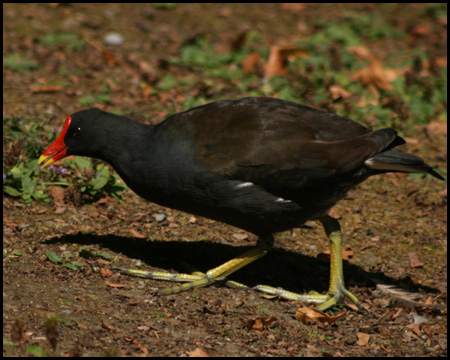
pixel 102 97
pixel 24 179
pixel 71 40
pixel 19 63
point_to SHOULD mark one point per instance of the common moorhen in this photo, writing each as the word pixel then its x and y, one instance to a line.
pixel 261 164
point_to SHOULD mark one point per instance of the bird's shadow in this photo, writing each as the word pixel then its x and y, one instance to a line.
pixel 279 268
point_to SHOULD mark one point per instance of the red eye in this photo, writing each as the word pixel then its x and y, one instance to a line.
pixel 78 132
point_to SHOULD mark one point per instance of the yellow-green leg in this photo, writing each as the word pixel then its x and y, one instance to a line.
pixel 198 279
pixel 337 290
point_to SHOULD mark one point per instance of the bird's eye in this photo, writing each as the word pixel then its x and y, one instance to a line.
pixel 78 132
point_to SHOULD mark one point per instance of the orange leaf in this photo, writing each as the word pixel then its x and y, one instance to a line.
pixel 363 339
pixel 249 62
pixel 198 352
pixel 136 234
pixel 261 323
pixel 307 315
pixel 375 75
pixel 115 285
pixel 276 65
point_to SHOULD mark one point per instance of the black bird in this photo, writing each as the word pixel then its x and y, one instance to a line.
pixel 261 164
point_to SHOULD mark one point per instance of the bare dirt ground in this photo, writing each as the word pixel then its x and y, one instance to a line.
pixel 395 227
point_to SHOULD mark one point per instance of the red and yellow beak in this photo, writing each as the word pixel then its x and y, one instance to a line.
pixel 58 149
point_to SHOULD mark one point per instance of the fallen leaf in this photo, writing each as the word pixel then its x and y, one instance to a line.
pixel 375 75
pixel 416 329
pixel 248 64
pixel 141 347
pixel 57 194
pixel 199 352
pixel 338 92
pixel 108 325
pixel 414 260
pixel 115 285
pixel 260 323
pixel 276 65
pixel 363 339
pixel 361 53
pixel 106 273
pixel 192 220
pixel 240 236
pixel 46 89
pixel 307 315
pixel 136 234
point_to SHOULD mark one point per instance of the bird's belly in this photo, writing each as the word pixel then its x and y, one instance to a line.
pixel 241 204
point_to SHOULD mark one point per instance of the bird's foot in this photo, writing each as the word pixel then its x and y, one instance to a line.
pixel 198 279
pixel 325 301
pixel 194 280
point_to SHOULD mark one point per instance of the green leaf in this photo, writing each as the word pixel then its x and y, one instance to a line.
pixel 83 163
pixel 71 266
pixel 11 191
pixel 35 350
pixel 53 257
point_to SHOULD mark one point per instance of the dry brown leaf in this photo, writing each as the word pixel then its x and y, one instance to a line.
pixel 261 323
pixel 416 329
pixel 103 262
pixel 249 62
pixel 411 141
pixel 57 194
pixel 115 285
pixel 414 260
pixel 339 92
pixel 276 65
pixel 106 273
pixel 141 347
pixel 307 315
pixel 363 339
pixel 375 75
pixel 361 53
pixel 268 296
pixel 46 89
pixel 136 234
pixel 198 352
pixel 108 325
pixel 240 236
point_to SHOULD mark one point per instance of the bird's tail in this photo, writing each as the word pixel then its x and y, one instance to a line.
pixel 397 161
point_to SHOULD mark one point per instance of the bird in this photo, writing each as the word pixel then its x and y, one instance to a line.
pixel 261 164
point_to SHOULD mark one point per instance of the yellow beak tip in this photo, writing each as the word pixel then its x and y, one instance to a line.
pixel 42 162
